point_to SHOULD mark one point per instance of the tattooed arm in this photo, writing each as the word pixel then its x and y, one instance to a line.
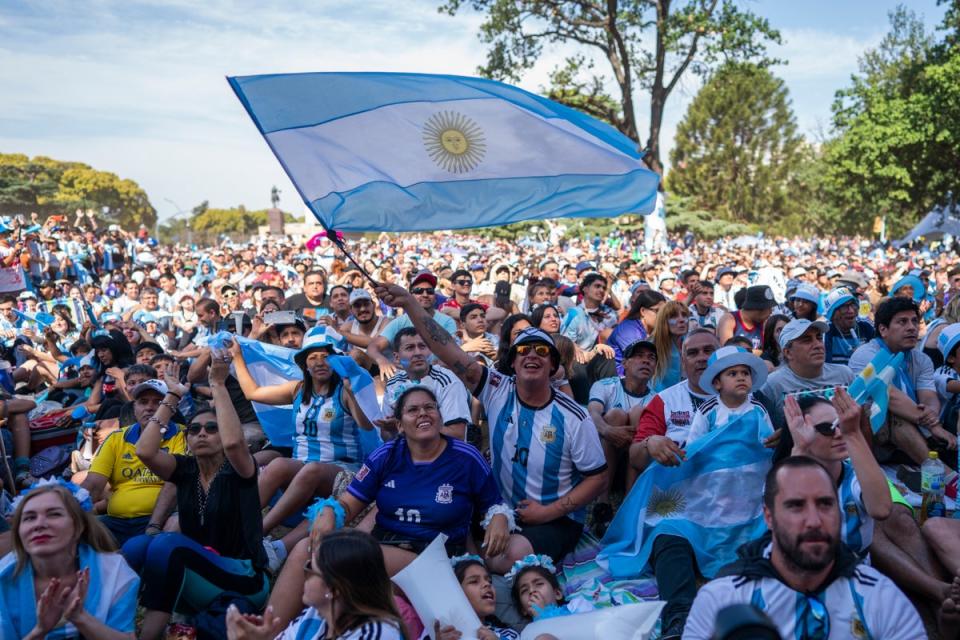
pixel 439 341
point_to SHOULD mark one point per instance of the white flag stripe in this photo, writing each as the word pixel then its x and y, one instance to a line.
pixel 714 499
pixel 331 157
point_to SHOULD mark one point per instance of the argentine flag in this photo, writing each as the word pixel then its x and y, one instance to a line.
pixel 714 499
pixel 412 152
pixel 270 364
pixel 873 384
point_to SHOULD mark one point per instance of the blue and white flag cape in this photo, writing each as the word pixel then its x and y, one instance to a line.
pixel 713 499
pixel 873 383
pixel 413 152
pixel 269 364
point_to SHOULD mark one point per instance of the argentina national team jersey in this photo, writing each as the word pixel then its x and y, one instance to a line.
pixel 538 453
pixel 325 432
pixel 419 500
pixel 713 415
pixel 611 393
pixel 863 604
pixel 857 527
pixel 452 396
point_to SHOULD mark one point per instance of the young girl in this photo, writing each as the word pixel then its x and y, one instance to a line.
pixel 475 581
pixel 536 591
pixel 733 374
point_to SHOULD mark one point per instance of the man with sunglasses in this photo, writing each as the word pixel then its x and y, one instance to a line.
pixel 462 288
pixel 546 452
pixel 804 578
pixel 135 489
pixel 423 289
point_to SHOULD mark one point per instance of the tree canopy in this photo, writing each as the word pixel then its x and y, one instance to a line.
pixel 737 150
pixel 49 186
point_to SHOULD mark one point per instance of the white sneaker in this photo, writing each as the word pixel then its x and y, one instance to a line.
pixel 275 558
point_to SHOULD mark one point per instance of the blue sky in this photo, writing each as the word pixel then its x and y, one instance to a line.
pixel 137 86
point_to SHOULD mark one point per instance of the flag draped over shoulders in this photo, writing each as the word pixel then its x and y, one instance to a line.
pixel 713 499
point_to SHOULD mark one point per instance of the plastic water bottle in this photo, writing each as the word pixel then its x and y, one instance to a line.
pixel 931 484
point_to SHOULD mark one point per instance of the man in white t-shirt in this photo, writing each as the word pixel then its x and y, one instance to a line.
pixel 807 582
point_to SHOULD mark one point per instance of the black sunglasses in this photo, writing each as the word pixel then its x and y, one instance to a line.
pixel 826 428
pixel 419 291
pixel 210 427
pixel 464 281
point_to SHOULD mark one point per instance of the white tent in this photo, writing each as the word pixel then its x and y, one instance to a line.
pixel 942 220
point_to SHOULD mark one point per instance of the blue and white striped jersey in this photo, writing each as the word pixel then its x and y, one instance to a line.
pixel 325 431
pixel 453 398
pixel 539 453
pixel 714 414
pixel 857 528
pixel 864 604
pixel 611 393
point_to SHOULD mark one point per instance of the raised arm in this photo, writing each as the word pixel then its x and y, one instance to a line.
pixel 440 342
pixel 161 462
pixel 231 435
pixel 873 482
pixel 272 394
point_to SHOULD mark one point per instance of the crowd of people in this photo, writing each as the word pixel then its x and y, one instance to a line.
pixel 523 389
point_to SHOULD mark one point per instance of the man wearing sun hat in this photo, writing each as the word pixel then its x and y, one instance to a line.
pixel 547 456
pixel 847 331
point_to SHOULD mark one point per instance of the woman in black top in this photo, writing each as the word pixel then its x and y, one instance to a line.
pixel 219 508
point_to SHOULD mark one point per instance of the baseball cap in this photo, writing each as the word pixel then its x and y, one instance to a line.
pixel 637 345
pixel 157 386
pixel 836 299
pixel 796 328
pixel 948 339
pixel 424 276
pixel 359 294
pixel 807 292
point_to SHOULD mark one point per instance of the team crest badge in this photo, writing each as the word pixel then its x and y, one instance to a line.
pixel 444 494
pixel 857 628
pixel 850 508
pixel 364 470
pixel 328 414
pixel 548 435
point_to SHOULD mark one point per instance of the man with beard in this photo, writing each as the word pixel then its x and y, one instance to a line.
pixel 809 583
pixel 364 327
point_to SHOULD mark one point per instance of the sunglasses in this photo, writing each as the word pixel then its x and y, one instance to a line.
pixel 230 294
pixel 826 428
pixel 419 291
pixel 464 282
pixel 195 428
pixel 541 350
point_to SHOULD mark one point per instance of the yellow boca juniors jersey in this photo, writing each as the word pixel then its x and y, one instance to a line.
pixel 135 487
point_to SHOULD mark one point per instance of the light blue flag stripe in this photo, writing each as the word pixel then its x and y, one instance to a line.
pixel 269 364
pixel 279 102
pixel 373 151
pixel 713 499
pixel 873 385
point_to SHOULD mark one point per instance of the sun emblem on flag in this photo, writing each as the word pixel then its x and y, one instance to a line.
pixel 454 141
pixel 667 503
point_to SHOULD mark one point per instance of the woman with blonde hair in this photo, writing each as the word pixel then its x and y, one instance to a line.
pixel 669 330
pixel 64 554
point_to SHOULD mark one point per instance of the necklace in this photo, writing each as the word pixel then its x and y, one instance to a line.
pixel 203 495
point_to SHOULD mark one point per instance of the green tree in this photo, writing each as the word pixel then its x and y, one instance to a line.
pixel 646 44
pixel 50 186
pixel 235 221
pixel 897 147
pixel 737 150
pixel 86 187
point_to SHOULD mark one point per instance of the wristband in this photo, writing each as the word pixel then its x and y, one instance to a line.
pixel 172 407
pixel 314 511
pixel 500 509
pixel 175 395
pixel 153 525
